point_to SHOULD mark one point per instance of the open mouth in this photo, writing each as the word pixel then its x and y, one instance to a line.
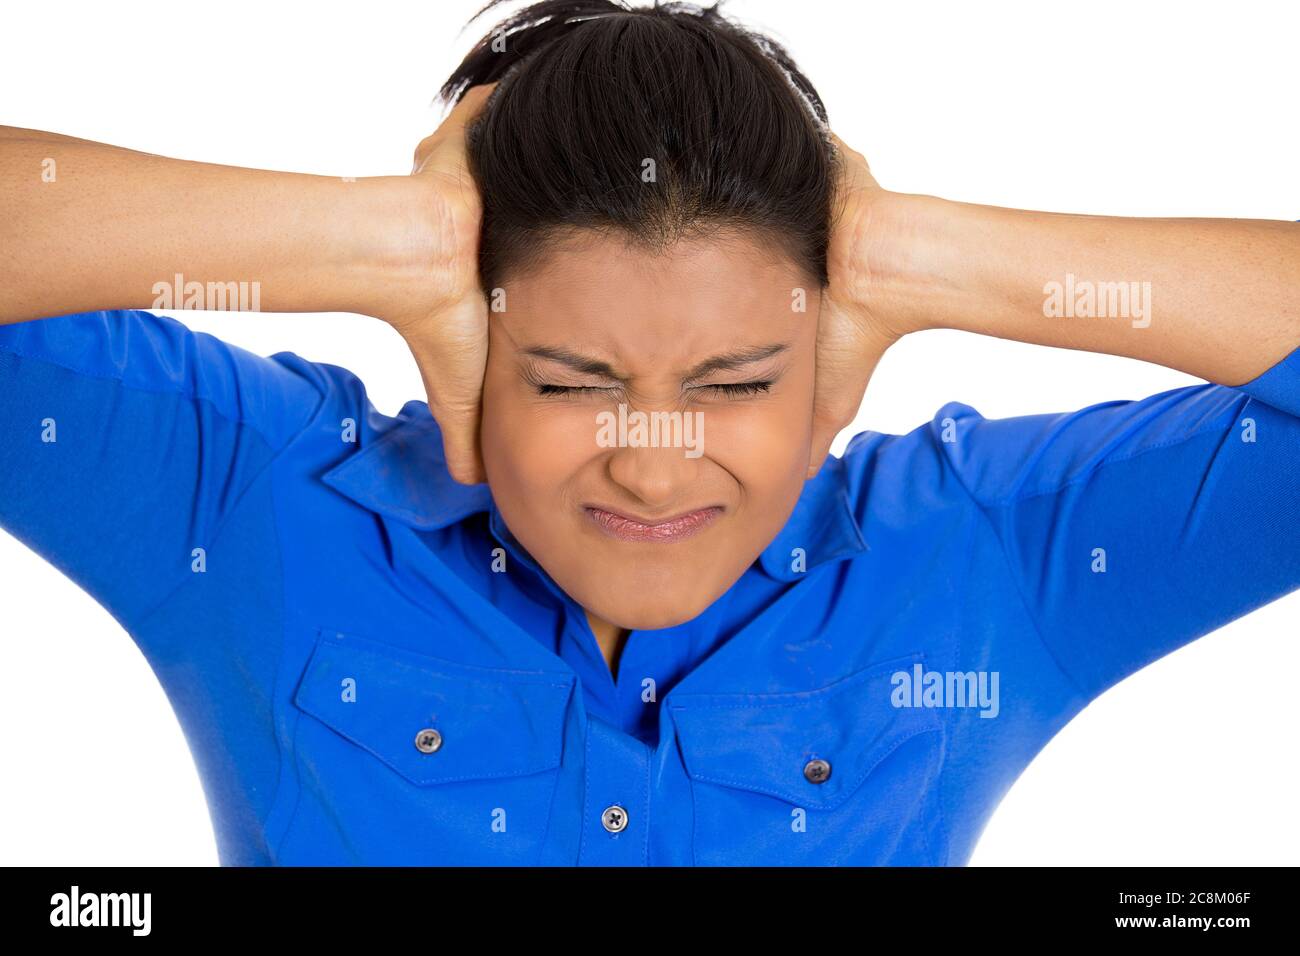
pixel 676 528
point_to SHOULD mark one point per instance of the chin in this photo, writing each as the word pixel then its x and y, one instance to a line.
pixel 650 618
pixel 650 605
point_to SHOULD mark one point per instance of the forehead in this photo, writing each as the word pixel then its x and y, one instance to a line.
pixel 613 299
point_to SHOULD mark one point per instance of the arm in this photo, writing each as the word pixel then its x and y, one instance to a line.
pixel 1221 297
pixel 89 226
pixel 126 440
pixel 1130 527
pixel 101 225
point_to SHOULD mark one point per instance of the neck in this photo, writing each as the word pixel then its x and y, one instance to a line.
pixel 610 638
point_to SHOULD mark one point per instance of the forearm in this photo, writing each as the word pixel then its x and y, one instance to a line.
pixel 1217 298
pixel 103 227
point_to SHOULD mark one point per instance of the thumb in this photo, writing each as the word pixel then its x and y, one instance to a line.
pixel 848 351
pixel 460 445
pixel 451 352
pixel 458 421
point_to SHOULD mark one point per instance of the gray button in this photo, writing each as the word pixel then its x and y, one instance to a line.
pixel 614 819
pixel 817 771
pixel 428 740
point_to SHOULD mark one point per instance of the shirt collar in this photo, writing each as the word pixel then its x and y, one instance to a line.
pixel 821 529
pixel 401 473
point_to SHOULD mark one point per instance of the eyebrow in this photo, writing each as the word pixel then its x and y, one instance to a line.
pixel 727 361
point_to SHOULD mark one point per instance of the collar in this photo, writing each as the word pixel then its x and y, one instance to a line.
pixel 821 529
pixel 401 473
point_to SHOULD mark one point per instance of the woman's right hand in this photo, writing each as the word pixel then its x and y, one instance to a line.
pixel 445 324
pixel 401 248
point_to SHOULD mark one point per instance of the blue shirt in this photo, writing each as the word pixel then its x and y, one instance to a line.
pixel 369 669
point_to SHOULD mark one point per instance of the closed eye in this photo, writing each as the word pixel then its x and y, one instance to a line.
pixel 726 389
pixel 738 389
pixel 544 389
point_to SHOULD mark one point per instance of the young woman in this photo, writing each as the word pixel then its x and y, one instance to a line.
pixel 606 599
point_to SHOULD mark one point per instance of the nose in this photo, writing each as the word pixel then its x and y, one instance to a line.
pixel 657 477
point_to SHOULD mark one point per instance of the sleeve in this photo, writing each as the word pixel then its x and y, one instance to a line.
pixel 126 439
pixel 1134 527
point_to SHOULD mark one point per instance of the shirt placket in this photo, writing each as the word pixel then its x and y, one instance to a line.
pixel 616 802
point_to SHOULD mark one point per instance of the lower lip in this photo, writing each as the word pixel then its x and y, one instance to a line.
pixel 674 529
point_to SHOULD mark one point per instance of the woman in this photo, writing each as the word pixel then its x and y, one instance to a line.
pixel 618 606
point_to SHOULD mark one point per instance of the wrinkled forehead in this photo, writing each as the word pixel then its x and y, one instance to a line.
pixel 643 309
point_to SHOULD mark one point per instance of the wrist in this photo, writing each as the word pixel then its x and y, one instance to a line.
pixel 411 250
pixel 381 242
pixel 902 260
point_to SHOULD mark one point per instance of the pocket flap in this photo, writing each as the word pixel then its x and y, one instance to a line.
pixel 490 722
pixel 764 742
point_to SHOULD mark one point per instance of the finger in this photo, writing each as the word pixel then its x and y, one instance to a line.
pixel 838 397
pixel 453 386
pixel 848 150
pixel 459 425
pixel 823 438
pixel 470 103
pixel 447 140
pixel 828 380
pixel 458 421
pixel 461 447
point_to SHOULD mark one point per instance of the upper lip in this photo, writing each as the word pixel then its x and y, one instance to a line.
pixel 651 522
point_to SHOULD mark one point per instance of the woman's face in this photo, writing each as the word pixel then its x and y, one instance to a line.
pixel 645 515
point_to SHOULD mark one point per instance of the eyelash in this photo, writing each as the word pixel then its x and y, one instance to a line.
pixel 727 389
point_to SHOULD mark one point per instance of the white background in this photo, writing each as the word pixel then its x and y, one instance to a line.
pixel 1120 108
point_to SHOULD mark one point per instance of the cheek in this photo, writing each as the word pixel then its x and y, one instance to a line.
pixel 765 443
pixel 764 447
pixel 532 449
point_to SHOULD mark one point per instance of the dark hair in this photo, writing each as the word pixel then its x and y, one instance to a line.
pixel 591 89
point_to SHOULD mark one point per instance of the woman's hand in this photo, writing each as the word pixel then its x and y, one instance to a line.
pixel 445 326
pixel 852 333
pixel 401 248
pixel 1224 290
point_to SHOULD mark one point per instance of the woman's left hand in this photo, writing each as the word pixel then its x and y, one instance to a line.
pixel 852 335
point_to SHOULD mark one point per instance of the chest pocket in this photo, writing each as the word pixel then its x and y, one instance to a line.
pixel 410 759
pixel 835 775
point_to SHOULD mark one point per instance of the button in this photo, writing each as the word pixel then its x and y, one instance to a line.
pixel 428 740
pixel 614 819
pixel 817 771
